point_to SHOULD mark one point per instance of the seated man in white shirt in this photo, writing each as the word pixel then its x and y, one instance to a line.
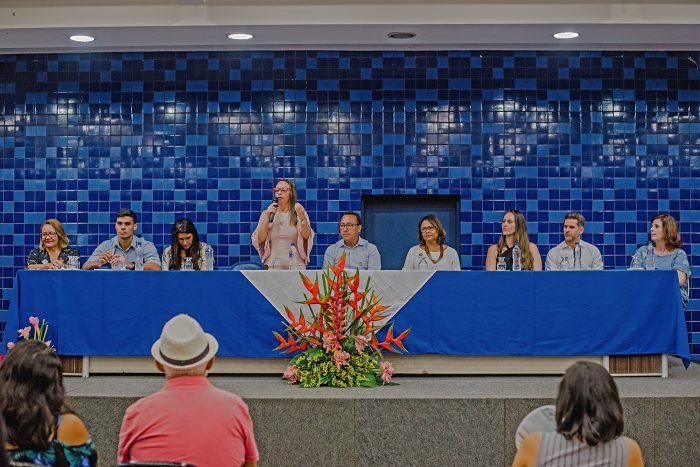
pixel 573 253
pixel 359 253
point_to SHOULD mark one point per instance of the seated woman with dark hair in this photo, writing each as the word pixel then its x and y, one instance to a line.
pixel 431 253
pixel 53 251
pixel 41 429
pixel 186 245
pixel 589 425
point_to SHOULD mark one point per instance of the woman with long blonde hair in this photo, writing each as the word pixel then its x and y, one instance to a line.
pixel 53 251
pixel 284 222
pixel 514 230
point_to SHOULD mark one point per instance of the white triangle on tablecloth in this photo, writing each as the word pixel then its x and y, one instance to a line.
pixel 393 288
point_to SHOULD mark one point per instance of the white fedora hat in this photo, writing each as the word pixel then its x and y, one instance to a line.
pixel 183 344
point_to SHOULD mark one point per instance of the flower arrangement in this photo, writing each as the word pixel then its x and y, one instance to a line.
pixel 339 347
pixel 38 335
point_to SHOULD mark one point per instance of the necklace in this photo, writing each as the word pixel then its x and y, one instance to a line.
pixel 430 257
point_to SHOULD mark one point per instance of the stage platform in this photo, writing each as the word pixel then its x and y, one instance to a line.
pixel 450 420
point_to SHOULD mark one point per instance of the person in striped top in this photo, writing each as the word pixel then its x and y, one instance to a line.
pixel 589 424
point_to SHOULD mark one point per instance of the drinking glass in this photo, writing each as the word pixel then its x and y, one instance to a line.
pixel 120 266
pixel 73 262
pixel 501 266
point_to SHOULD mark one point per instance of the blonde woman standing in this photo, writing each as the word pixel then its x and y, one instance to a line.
pixel 284 222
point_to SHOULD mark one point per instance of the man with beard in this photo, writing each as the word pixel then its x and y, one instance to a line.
pixel 573 253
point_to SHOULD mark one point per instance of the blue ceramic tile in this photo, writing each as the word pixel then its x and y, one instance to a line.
pixel 202 134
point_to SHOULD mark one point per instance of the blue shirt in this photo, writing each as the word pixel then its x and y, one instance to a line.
pixel 150 254
pixel 676 260
pixel 363 255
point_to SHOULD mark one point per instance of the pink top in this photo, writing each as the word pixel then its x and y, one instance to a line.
pixel 275 251
pixel 189 420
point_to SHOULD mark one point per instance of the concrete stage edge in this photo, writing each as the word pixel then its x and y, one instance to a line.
pixel 449 420
pixel 404 364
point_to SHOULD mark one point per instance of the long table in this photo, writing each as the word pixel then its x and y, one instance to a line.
pixel 459 313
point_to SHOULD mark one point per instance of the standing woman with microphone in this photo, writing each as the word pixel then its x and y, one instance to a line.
pixel 283 223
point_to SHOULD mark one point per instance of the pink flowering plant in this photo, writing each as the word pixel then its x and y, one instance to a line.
pixel 339 347
pixel 35 331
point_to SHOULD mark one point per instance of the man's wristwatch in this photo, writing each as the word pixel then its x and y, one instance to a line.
pixel 132 266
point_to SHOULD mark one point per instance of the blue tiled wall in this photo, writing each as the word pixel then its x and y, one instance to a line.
pixel 615 135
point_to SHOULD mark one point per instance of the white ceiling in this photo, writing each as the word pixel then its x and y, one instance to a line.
pixel 44 25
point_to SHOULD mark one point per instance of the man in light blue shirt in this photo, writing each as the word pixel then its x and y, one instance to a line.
pixel 120 252
pixel 359 253
pixel 573 253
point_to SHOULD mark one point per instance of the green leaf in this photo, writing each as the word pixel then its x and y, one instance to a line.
pixel 370 380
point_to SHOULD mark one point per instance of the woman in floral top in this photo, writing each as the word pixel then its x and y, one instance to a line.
pixel 41 429
pixel 53 251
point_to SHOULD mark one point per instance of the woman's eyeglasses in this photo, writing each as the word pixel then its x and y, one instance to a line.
pixel 427 229
pixel 280 190
pixel 49 234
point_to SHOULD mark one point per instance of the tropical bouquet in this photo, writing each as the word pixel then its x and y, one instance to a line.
pixel 338 345
pixel 34 331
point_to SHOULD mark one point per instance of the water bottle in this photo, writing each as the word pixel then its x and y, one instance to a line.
pixel 208 258
pixel 138 264
pixel 649 264
pixel 501 266
pixel 517 258
pixel 292 257
pixel 188 264
pixel 636 262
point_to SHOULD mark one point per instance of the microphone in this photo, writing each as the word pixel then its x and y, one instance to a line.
pixel 272 214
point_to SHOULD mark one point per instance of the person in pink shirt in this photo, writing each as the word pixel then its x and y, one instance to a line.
pixel 189 420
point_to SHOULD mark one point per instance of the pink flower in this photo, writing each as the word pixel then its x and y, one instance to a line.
pixel 10 345
pixel 291 374
pixel 328 341
pixel 24 332
pixel 387 372
pixel 361 343
pixel 340 358
pixel 34 321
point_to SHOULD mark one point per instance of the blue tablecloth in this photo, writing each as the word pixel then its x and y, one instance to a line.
pixel 116 313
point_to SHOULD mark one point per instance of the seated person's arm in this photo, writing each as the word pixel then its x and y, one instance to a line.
pixel 528 451
pixel 549 264
pixel 375 259
pixel 151 260
pixel 681 277
pixel 635 458
pixel 536 257
pixel 491 256
pixel 598 262
pixel 72 431
pixel 328 256
pixel 99 258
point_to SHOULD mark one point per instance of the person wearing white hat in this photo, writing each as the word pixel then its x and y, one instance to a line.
pixel 189 420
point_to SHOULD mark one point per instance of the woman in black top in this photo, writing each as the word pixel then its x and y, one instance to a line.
pixel 514 229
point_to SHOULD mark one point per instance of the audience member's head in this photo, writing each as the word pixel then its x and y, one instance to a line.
pixel 31 394
pixel 184 349
pixel 588 405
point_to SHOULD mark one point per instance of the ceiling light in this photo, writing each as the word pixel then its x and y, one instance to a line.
pixel 566 35
pixel 401 35
pixel 81 38
pixel 240 36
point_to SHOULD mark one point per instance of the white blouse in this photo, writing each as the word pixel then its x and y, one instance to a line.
pixel 416 259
